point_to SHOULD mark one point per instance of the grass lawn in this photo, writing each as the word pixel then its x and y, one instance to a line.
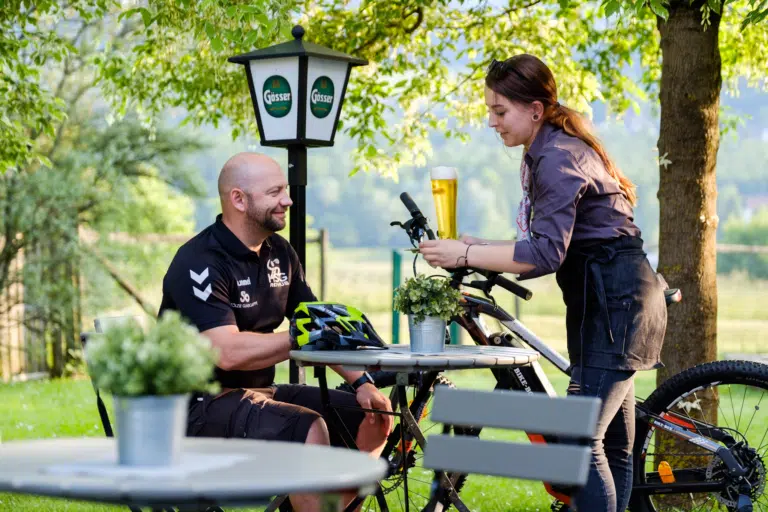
pixel 66 408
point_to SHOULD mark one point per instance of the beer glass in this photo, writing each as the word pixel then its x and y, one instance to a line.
pixel 444 191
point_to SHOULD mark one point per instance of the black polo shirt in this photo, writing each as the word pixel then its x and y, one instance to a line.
pixel 215 280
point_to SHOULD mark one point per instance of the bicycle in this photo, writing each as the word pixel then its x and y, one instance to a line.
pixel 722 469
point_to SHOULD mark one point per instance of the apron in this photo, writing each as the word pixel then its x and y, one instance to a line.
pixel 616 313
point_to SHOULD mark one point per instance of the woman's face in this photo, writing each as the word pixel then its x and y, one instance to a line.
pixel 512 121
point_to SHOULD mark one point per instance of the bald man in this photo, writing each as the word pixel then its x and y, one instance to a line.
pixel 236 281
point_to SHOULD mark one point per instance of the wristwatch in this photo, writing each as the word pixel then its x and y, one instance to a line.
pixel 364 378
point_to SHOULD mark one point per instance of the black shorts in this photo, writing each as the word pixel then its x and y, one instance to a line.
pixel 277 413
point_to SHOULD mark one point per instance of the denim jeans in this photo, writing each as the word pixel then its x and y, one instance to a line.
pixel 609 484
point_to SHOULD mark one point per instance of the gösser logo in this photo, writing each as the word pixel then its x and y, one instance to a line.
pixel 321 97
pixel 277 96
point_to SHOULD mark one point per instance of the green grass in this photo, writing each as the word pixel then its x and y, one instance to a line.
pixel 66 408
pixel 363 277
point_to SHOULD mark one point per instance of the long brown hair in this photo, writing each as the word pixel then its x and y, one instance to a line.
pixel 525 79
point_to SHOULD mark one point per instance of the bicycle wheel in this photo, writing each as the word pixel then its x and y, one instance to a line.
pixel 731 395
pixel 420 479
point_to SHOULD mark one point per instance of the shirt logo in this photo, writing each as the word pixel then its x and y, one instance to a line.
pixel 276 277
pixel 244 282
pixel 245 301
pixel 199 278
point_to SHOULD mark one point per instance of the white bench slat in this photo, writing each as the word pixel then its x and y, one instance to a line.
pixel 571 416
pixel 557 464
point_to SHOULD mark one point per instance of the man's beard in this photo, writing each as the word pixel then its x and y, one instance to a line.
pixel 264 220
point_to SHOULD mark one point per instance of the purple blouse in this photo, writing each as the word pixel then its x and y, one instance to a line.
pixel 572 198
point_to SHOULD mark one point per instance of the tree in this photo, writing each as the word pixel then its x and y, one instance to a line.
pixel 691 77
pixel 64 167
pixel 156 55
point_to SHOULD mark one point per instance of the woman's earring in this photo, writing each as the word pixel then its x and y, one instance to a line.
pixel 535 117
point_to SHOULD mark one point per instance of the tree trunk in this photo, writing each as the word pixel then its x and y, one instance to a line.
pixel 689 137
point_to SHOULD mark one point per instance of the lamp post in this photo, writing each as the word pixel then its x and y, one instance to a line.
pixel 297 89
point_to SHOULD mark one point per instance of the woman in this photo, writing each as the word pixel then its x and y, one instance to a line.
pixel 575 219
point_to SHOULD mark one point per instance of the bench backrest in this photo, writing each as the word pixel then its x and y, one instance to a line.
pixel 573 418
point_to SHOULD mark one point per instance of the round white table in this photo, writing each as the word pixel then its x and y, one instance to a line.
pixel 400 360
pixel 233 472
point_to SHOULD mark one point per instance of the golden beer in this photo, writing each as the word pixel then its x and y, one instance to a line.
pixel 445 191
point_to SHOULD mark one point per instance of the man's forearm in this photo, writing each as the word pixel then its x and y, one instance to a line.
pixel 349 376
pixel 249 350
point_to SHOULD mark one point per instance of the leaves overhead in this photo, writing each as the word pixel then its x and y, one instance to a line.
pixel 427 61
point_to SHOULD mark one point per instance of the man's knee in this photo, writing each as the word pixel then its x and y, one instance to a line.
pixel 318 433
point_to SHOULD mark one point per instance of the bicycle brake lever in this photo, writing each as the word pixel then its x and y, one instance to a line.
pixel 484 287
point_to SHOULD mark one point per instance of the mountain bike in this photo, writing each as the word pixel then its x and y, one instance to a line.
pixel 701 443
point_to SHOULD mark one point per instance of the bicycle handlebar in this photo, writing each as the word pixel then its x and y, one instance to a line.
pixel 493 278
pixel 418 217
pixel 512 287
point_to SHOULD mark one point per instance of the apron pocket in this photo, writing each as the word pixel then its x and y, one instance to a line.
pixel 618 311
pixel 599 339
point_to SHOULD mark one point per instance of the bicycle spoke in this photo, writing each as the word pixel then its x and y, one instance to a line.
pixel 417 480
pixel 743 400
pixel 756 408
pixel 417 494
pixel 730 398
pixel 722 414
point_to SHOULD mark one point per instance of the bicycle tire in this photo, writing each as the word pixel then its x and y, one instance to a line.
pixel 689 385
pixel 385 379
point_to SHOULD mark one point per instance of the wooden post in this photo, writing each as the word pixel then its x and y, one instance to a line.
pixel 323 269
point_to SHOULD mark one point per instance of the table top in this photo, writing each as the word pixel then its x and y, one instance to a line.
pixel 400 358
pixel 212 471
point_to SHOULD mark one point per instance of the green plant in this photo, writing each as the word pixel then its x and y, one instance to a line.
pixel 424 296
pixel 170 358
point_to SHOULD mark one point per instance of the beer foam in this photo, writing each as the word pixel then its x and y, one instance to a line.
pixel 444 173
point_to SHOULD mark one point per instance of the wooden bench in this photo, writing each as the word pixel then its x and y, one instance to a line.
pixel 571 420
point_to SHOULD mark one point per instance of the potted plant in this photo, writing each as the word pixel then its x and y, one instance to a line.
pixel 430 303
pixel 150 374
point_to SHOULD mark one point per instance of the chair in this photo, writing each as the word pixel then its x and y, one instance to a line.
pixel 568 422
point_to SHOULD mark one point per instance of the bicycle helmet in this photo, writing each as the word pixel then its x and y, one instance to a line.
pixel 331 326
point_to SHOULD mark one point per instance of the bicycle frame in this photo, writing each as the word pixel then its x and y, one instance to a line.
pixel 532 379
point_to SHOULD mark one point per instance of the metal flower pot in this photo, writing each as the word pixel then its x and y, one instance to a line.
pixel 150 429
pixel 428 336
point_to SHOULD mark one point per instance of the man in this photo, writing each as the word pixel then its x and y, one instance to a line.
pixel 236 281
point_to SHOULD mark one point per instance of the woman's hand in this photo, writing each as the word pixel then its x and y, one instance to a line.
pixel 444 253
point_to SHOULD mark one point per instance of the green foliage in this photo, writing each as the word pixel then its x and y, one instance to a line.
pixel 752 232
pixel 424 296
pixel 29 48
pixel 169 358
pixel 427 61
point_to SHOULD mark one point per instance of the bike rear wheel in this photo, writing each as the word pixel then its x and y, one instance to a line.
pixel 731 395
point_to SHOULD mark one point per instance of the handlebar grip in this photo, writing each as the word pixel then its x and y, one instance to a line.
pixel 418 217
pixel 512 287
pixel 408 202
